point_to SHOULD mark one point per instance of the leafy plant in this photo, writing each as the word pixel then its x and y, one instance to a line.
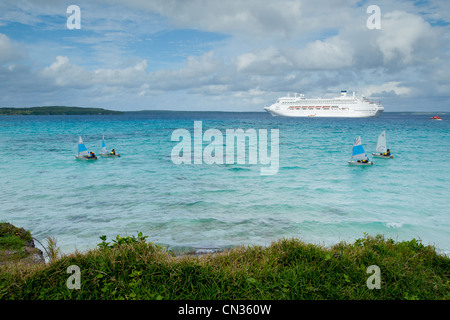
pixel 121 240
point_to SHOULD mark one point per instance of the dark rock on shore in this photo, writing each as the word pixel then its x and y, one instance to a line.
pixel 17 245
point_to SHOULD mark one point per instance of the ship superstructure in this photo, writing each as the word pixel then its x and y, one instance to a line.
pixel 343 106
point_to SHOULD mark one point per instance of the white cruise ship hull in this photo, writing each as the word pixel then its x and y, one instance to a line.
pixel 344 107
pixel 325 113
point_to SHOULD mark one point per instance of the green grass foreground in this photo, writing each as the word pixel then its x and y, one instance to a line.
pixel 289 269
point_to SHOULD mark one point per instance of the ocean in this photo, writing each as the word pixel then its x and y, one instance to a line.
pixel 314 196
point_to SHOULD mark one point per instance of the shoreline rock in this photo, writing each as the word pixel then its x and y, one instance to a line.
pixel 17 246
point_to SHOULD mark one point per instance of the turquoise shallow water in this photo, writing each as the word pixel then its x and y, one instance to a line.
pixel 315 196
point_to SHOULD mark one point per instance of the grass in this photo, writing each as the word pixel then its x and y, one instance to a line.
pixel 13 238
pixel 12 243
pixel 133 269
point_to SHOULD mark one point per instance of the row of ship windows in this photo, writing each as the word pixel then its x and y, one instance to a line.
pixel 317 108
pixel 306 101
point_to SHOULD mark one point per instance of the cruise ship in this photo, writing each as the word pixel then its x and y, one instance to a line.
pixel 343 106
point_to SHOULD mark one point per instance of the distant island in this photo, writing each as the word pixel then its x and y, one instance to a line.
pixel 56 110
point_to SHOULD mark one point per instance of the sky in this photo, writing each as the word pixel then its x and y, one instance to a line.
pixel 227 55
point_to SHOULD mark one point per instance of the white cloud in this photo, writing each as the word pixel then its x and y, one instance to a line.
pixel 404 36
pixel 64 73
pixel 126 77
pixel 233 16
pixel 9 51
pixel 269 48
pixel 332 53
pixel 198 71
pixel 389 87
pixel 252 18
pixel 266 61
pixel 329 54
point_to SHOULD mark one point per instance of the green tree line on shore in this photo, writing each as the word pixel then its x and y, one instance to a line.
pixel 57 110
